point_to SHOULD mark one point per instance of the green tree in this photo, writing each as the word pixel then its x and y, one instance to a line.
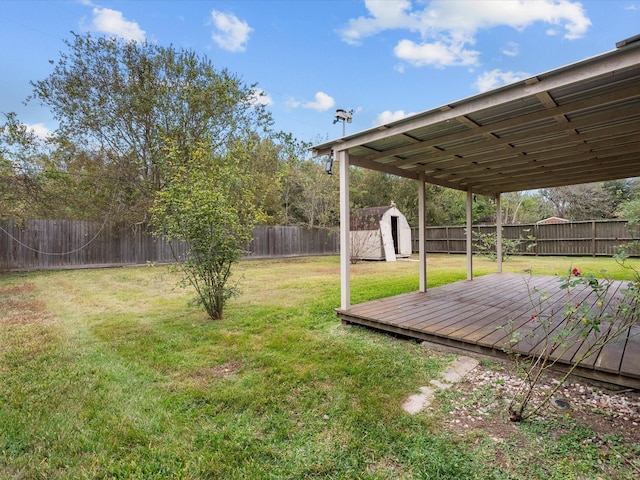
pixel 54 179
pixel 16 183
pixel 405 195
pixel 121 103
pixel 174 139
pixel 630 211
pixel 25 181
pixel 93 187
pixel 320 199
pixel 369 188
pixel 522 207
pixel 589 201
pixel 207 201
pixel 279 181
pixel 376 189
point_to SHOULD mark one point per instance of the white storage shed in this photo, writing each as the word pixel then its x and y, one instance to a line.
pixel 380 233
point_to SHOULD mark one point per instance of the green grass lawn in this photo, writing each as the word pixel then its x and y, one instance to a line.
pixel 111 374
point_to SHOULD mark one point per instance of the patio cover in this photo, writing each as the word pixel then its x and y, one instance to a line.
pixel 577 124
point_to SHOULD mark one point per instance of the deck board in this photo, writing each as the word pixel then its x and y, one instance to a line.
pixel 631 359
pixel 610 357
pixel 479 315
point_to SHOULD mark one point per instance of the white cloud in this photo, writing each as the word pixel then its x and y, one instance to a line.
pixel 495 78
pixel 438 54
pixel 388 116
pixel 399 67
pixel 39 130
pixel 260 97
pixel 112 22
pixel 230 33
pixel 511 49
pixel 292 103
pixel 322 102
pixel 443 30
pixel 385 15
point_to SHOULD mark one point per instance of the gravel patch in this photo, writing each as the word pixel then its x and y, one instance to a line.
pixel 485 392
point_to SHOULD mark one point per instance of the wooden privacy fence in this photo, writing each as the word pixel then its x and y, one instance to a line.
pixel 53 244
pixel 286 241
pixel 56 244
pixel 589 238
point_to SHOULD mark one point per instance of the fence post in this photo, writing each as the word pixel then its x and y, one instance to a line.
pixel 448 240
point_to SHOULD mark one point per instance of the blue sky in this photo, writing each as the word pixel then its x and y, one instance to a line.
pixel 383 59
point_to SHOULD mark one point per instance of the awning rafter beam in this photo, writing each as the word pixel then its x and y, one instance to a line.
pixel 524 120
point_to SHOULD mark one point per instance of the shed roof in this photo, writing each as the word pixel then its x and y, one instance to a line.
pixel 576 124
pixel 368 218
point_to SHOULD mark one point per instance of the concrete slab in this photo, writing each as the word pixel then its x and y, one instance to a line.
pixel 459 368
pixel 455 372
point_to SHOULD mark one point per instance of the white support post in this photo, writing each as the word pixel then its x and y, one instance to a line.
pixel 422 248
pixel 499 231
pixel 342 158
pixel 469 234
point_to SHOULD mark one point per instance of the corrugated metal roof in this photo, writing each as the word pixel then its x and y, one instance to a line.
pixel 577 124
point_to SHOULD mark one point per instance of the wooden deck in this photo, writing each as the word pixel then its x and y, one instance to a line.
pixel 475 315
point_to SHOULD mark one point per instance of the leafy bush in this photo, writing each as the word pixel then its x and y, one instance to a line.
pixel 585 326
pixel 486 244
pixel 207 204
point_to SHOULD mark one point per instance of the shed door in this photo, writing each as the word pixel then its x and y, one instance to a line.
pixel 394 234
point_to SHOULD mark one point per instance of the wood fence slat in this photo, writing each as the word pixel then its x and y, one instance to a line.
pixel 588 238
pixel 47 244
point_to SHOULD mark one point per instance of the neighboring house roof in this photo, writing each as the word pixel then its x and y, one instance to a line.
pixel 552 220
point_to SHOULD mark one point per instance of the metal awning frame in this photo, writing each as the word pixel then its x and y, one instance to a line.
pixel 576 124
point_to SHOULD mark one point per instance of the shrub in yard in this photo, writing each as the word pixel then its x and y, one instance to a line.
pixel 585 323
pixel 486 245
pixel 207 203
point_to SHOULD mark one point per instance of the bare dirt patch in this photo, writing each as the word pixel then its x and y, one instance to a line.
pixel 204 376
pixel 20 307
pixel 18 289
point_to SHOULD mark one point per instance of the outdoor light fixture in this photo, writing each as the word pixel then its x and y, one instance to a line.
pixel 344 117
pixel 328 165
